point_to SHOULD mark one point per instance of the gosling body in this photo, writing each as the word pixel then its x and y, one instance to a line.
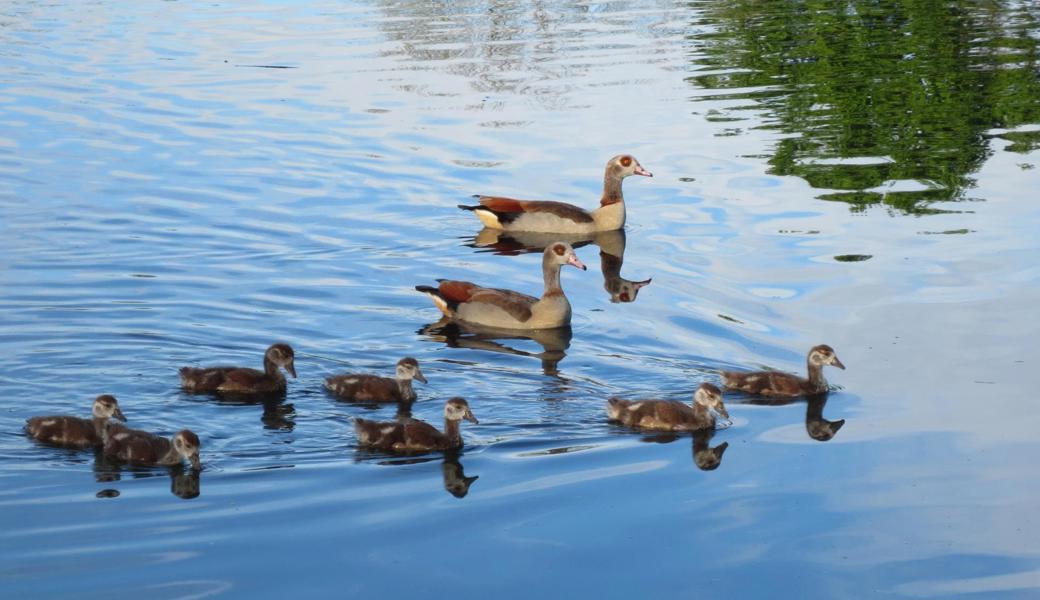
pixel 414 435
pixel 76 432
pixel 666 415
pixel 242 380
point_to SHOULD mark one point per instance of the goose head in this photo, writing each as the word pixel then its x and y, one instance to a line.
pixel 408 369
pixel 457 409
pixel 623 165
pixel 710 397
pixel 562 253
pixel 105 406
pixel 282 356
pixel 187 445
pixel 823 355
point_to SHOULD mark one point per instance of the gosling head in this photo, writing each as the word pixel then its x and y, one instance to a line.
pixel 562 253
pixel 408 369
pixel 457 409
pixel 823 355
pixel 187 445
pixel 623 165
pixel 105 406
pixel 710 397
pixel 282 356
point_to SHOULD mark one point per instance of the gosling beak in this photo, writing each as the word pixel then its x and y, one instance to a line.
pixel 291 368
pixel 641 171
pixel 469 417
pixel 195 462
pixel 118 414
pixel 722 411
pixel 573 260
pixel 837 363
pixel 420 376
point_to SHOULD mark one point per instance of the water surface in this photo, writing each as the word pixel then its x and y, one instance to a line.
pixel 185 183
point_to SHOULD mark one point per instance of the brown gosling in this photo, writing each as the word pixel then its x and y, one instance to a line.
pixel 241 380
pixel 777 384
pixel 74 432
pixel 361 387
pixel 138 447
pixel 667 415
pixel 416 436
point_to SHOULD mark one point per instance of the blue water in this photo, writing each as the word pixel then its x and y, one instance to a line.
pixel 168 197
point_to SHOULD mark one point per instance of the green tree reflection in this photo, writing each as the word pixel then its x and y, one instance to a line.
pixel 879 101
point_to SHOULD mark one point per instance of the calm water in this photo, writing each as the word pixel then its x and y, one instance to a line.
pixel 184 183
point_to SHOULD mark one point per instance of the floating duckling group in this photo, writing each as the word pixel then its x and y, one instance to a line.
pixel 468 304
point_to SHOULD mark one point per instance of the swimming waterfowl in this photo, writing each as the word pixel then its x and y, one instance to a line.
pixel 416 436
pixel 785 385
pixel 541 215
pixel 139 447
pixel 507 309
pixel 241 380
pixel 611 253
pixel 360 387
pixel 74 432
pixel 666 415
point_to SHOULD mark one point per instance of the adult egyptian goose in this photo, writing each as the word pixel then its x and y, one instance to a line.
pixel 666 415
pixel 142 448
pixel 785 385
pixel 360 387
pixel 241 380
pixel 507 309
pixel 74 432
pixel 541 215
pixel 414 435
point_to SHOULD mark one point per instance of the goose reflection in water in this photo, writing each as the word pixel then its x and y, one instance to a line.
pixel 456 482
pixel 276 415
pixel 611 254
pixel 455 334
pixel 184 482
pixel 818 428
pixel 706 457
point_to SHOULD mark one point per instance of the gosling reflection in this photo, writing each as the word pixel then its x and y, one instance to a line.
pixel 276 414
pixel 456 482
pixel 454 334
pixel 184 482
pixel 706 457
pixel 611 254
pixel 818 428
